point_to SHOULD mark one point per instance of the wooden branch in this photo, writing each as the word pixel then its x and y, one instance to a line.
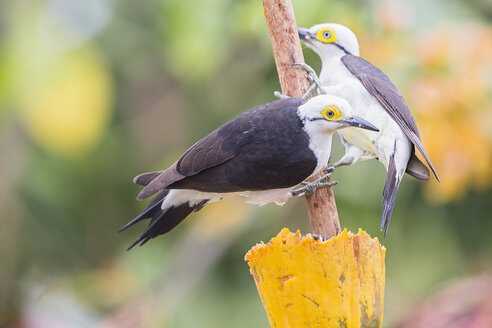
pixel 287 50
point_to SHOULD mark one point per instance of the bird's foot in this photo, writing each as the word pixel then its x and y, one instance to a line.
pixel 311 187
pixel 329 170
pixel 280 95
pixel 313 77
pixel 309 91
pixel 327 174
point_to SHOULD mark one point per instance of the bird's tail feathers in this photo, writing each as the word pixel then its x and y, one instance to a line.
pixel 389 195
pixel 149 211
pixel 146 178
pixel 421 149
pixel 156 181
pixel 162 220
pixel 416 168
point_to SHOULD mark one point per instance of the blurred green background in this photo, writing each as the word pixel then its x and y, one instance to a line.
pixel 94 92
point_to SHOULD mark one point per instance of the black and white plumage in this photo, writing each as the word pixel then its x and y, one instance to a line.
pixel 261 154
pixel 372 96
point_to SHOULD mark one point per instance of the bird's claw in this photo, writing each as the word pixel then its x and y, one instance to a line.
pixel 310 187
pixel 309 91
pixel 313 77
pixel 329 170
pixel 307 68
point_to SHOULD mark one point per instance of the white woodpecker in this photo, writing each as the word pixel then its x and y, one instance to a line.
pixel 372 96
pixel 262 154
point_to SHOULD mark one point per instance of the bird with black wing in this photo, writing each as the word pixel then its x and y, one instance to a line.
pixel 262 154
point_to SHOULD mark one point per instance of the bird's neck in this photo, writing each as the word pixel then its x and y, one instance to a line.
pixel 331 68
pixel 320 144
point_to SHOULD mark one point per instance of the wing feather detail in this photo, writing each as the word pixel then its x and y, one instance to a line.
pixel 390 98
pixel 263 148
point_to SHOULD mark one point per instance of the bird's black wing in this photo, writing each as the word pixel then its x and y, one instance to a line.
pixel 263 148
pixel 388 95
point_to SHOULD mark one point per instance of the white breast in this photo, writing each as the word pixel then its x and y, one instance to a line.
pixel 319 143
pixel 338 80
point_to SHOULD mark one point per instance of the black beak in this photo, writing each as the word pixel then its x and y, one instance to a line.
pixel 359 122
pixel 304 34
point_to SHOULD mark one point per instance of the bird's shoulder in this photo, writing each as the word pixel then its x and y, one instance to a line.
pixel 367 72
pixel 230 139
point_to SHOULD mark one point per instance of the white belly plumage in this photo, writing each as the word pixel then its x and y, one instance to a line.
pixel 360 138
pixel 192 197
pixel 378 144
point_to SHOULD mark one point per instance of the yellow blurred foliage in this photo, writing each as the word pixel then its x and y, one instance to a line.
pixel 220 217
pixel 444 74
pixel 450 97
pixel 69 109
pixel 191 56
pixel 116 281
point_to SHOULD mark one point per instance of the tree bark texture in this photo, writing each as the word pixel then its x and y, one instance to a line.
pixel 279 14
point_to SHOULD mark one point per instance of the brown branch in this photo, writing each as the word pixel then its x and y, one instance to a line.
pixel 287 50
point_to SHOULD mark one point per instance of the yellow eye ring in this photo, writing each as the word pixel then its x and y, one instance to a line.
pixel 326 35
pixel 331 113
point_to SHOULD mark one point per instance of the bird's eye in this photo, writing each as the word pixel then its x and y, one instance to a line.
pixel 326 35
pixel 331 113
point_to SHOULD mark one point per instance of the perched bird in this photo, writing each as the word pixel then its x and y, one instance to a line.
pixel 261 154
pixel 373 96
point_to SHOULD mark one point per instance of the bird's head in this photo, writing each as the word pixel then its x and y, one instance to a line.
pixel 328 113
pixel 330 40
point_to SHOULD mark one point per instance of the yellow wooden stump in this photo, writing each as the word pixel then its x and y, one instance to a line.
pixel 305 282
